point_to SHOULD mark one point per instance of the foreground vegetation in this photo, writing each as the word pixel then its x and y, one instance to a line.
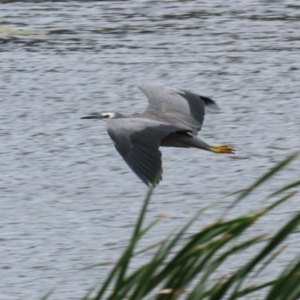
pixel 193 266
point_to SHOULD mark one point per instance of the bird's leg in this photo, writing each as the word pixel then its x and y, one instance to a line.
pixel 221 149
pixel 197 143
pixel 184 140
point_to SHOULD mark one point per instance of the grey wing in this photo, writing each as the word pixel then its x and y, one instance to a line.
pixel 138 141
pixel 179 104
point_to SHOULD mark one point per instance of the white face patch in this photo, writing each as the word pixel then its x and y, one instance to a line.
pixel 108 116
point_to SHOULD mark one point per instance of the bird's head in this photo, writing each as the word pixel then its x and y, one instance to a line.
pixel 104 116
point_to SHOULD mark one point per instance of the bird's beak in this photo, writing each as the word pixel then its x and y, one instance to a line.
pixel 99 117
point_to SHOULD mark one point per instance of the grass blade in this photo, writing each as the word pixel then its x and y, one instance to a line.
pixel 266 177
pixel 287 187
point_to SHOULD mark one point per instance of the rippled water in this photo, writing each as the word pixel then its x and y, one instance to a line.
pixel 67 197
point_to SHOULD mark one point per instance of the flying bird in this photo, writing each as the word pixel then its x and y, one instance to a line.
pixel 172 118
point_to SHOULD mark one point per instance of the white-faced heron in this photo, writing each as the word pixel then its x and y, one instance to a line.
pixel 172 119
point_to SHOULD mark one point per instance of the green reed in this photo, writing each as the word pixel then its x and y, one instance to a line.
pixel 191 266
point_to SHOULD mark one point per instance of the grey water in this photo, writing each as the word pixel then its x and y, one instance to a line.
pixel 68 199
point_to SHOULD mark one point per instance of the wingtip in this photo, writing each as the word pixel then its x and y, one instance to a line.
pixel 210 104
pixel 157 179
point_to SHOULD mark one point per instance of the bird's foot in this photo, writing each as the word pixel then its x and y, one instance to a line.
pixel 222 149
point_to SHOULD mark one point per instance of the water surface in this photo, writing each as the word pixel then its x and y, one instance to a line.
pixel 67 197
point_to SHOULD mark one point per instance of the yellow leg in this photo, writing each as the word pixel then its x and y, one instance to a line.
pixel 221 149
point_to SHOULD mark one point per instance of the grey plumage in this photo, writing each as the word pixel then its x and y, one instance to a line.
pixel 173 118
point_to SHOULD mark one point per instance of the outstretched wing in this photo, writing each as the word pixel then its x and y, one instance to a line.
pixel 138 141
pixel 179 104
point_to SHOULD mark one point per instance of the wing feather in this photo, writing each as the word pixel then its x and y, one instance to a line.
pixel 178 105
pixel 138 140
